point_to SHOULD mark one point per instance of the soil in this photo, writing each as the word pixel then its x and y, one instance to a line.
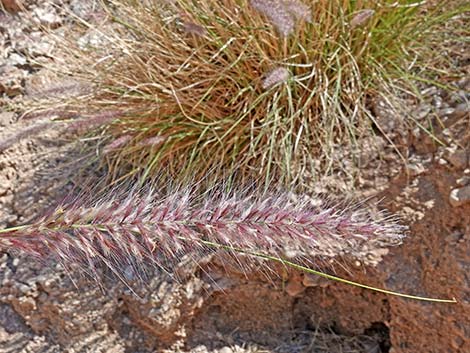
pixel 213 308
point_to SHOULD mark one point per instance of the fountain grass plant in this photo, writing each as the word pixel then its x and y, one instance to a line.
pixel 269 88
pixel 275 89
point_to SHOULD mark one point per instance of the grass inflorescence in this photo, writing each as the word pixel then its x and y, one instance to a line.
pixel 126 232
pixel 124 228
pixel 272 88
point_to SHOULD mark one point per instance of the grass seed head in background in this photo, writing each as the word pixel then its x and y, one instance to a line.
pixel 129 231
pixel 274 88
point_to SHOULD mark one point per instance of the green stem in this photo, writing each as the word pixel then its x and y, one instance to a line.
pixel 335 278
pixel 12 229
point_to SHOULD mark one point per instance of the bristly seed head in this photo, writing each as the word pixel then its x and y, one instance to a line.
pixel 143 228
pixel 282 13
pixel 361 17
pixel 193 28
pixel 300 11
pixel 93 121
pixel 153 141
pixel 120 141
pixel 278 75
pixel 29 131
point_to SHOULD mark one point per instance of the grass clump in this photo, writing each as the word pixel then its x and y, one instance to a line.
pixel 272 88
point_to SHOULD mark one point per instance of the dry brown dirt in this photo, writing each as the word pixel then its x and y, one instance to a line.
pixel 218 309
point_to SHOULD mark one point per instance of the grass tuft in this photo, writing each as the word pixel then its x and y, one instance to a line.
pixel 276 89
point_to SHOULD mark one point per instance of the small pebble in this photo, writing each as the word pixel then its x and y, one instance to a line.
pixel 311 280
pixel 24 288
pixel 415 169
pixel 463 181
pixel 442 161
pixel 458 158
pixel 460 196
pixel 294 285
pixel 225 350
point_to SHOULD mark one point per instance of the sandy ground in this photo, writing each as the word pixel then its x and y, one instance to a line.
pixel 215 309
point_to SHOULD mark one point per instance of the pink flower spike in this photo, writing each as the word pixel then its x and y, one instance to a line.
pixel 278 75
pixel 120 141
pixel 361 17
